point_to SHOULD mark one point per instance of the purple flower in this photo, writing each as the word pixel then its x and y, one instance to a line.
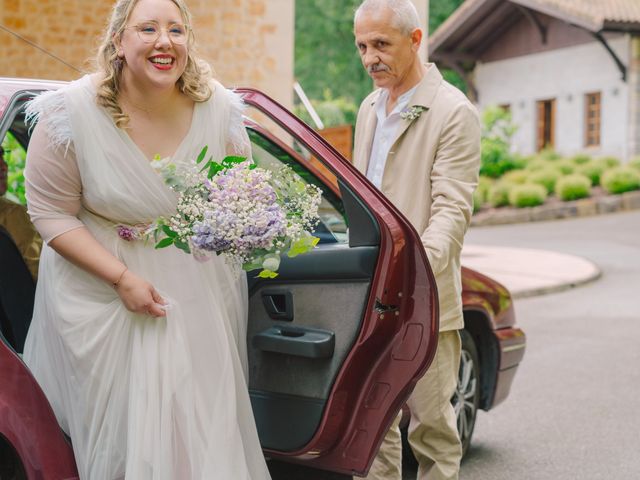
pixel 127 233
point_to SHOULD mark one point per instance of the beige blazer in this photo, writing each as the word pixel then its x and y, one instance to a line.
pixel 430 175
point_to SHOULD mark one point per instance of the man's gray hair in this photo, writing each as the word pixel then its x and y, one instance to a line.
pixel 405 15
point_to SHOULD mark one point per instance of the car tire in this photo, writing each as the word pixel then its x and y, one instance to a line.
pixel 466 398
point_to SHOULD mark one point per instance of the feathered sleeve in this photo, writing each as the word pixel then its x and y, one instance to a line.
pixel 237 139
pixel 52 179
pixel 50 107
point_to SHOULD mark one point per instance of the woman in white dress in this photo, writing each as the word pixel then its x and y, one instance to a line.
pixel 141 352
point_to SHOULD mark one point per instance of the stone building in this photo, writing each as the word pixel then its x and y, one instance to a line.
pixel 568 70
pixel 248 42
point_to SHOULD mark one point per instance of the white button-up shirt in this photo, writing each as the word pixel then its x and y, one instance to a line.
pixel 385 134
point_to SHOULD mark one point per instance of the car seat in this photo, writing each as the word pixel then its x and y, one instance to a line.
pixel 17 292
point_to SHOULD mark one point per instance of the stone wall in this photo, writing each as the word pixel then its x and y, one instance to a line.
pixel 248 42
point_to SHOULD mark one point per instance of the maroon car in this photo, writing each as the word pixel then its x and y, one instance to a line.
pixel 336 342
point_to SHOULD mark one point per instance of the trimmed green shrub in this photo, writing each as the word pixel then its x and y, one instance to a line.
pixel 635 163
pixel 495 158
pixel 592 170
pixel 547 177
pixel 517 177
pixel 484 184
pixel 477 201
pixel 499 194
pixel 519 162
pixel 538 163
pixel 620 180
pixel 581 158
pixel 527 195
pixel 609 162
pixel 481 193
pixel 566 166
pixel 548 154
pixel 573 187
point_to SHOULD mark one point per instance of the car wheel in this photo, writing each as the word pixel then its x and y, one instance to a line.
pixel 466 398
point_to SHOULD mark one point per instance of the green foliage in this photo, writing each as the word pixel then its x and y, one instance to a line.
pixel 635 163
pixel 497 131
pixel 573 187
pixel 481 193
pixel 592 170
pixel 548 154
pixel 620 180
pixel 517 177
pixel 527 195
pixel 498 195
pixel 15 157
pixel 609 162
pixel 547 177
pixel 325 54
pixel 581 158
pixel 439 11
pixel 537 163
pixel 566 166
pixel 332 111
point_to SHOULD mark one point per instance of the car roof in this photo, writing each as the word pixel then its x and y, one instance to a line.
pixel 10 86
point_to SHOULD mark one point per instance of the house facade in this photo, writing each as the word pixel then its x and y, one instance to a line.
pixel 567 70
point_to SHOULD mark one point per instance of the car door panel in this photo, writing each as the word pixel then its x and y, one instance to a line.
pixel 376 298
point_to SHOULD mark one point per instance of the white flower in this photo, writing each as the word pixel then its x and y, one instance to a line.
pixel 412 113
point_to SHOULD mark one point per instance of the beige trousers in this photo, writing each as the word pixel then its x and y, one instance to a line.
pixel 433 434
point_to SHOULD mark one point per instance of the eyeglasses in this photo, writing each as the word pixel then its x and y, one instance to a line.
pixel 149 32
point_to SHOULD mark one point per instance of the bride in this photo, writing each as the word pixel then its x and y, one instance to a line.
pixel 141 352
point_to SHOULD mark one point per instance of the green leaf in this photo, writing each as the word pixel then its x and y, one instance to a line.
pixel 267 274
pixel 168 232
pixel 302 245
pixel 231 160
pixel 182 245
pixel 202 154
pixel 165 242
pixel 214 169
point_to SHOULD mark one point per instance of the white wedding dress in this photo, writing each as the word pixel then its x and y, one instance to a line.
pixel 142 398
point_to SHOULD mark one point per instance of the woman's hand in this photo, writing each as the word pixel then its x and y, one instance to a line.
pixel 139 296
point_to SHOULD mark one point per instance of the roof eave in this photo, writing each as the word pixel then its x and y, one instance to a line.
pixel 579 21
pixel 621 26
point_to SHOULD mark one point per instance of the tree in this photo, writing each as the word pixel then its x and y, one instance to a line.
pixel 327 64
pixel 325 53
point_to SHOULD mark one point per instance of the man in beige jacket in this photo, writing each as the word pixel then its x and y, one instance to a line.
pixel 418 140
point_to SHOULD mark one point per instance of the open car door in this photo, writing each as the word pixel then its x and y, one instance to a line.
pixel 338 340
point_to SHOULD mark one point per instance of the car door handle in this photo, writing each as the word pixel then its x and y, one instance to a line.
pixel 279 304
pixel 296 341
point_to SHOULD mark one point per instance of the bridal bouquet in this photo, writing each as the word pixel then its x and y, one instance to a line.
pixel 233 208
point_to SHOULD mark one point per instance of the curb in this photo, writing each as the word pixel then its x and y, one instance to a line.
pixel 529 272
pixel 534 292
pixel 561 210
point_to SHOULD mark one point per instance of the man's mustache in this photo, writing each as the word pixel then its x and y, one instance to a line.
pixel 378 67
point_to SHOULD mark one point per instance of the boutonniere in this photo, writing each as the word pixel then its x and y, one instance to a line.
pixel 412 113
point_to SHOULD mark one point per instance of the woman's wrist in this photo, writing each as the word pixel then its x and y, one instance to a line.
pixel 116 283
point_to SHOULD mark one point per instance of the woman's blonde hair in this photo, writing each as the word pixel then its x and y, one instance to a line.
pixel 194 82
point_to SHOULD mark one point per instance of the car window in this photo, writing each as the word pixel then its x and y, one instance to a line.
pixel 271 148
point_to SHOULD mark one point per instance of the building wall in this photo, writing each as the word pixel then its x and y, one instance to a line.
pixel 565 74
pixel 633 75
pixel 248 42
